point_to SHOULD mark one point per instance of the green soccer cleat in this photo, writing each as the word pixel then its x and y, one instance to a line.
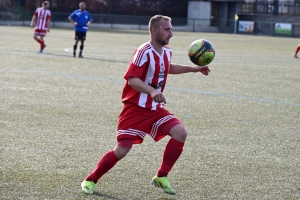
pixel 87 187
pixel 163 182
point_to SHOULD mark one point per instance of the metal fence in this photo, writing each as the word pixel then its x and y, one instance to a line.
pixel 101 21
pixel 260 28
pixel 275 7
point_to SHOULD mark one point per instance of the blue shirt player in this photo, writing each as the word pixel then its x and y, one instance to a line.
pixel 81 19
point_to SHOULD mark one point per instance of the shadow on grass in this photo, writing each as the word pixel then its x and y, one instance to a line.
pixel 86 58
pixel 115 198
pixel 105 196
pixel 70 56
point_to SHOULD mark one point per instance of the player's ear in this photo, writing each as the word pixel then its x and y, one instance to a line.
pixel 155 29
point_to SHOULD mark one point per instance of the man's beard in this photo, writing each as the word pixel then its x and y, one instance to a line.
pixel 162 42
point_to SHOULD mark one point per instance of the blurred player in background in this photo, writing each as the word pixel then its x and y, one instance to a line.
pixel 81 19
pixel 143 110
pixel 297 50
pixel 42 18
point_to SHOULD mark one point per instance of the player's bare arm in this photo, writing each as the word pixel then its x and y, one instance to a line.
pixel 140 86
pixel 49 24
pixel 180 69
pixel 33 21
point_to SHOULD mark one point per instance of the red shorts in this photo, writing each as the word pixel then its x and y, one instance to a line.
pixel 136 122
pixel 40 32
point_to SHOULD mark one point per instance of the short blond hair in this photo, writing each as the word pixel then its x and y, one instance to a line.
pixel 154 21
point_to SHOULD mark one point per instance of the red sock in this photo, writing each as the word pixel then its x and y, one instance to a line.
pixel 42 45
pixel 39 41
pixel 172 152
pixel 297 50
pixel 107 162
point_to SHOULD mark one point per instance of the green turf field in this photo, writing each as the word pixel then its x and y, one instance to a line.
pixel 58 115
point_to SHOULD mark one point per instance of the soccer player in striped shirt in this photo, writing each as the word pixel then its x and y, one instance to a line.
pixel 81 19
pixel 143 111
pixel 42 18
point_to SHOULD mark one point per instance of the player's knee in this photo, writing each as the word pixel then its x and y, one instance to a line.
pixel 179 133
pixel 121 152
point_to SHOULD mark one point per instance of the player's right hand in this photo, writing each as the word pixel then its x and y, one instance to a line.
pixel 203 69
pixel 158 96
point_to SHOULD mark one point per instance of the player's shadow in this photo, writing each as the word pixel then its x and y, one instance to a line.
pixel 114 198
pixel 86 58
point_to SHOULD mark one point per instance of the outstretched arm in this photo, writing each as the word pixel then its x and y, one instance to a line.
pixel 180 69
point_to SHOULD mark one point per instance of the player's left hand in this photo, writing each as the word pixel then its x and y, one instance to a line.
pixel 203 69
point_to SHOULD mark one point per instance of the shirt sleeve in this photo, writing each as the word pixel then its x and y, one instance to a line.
pixel 36 13
pixel 137 66
pixel 72 16
pixel 49 15
pixel 134 71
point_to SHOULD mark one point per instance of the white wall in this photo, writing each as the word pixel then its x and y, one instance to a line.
pixel 201 11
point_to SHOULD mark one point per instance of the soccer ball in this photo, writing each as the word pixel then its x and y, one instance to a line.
pixel 201 52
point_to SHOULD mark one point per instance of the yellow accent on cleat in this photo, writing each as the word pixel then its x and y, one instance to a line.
pixel 88 187
pixel 163 182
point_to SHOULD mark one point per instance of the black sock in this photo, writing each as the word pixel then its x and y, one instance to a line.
pixel 74 48
pixel 81 49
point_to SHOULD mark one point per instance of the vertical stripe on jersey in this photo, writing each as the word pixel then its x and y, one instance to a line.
pixel 39 19
pixel 144 98
pixel 152 75
pixel 44 19
pixel 41 14
pixel 167 58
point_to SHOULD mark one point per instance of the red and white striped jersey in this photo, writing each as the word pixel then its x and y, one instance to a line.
pixel 152 69
pixel 42 18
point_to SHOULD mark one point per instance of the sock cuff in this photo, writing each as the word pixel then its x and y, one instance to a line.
pixel 176 143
